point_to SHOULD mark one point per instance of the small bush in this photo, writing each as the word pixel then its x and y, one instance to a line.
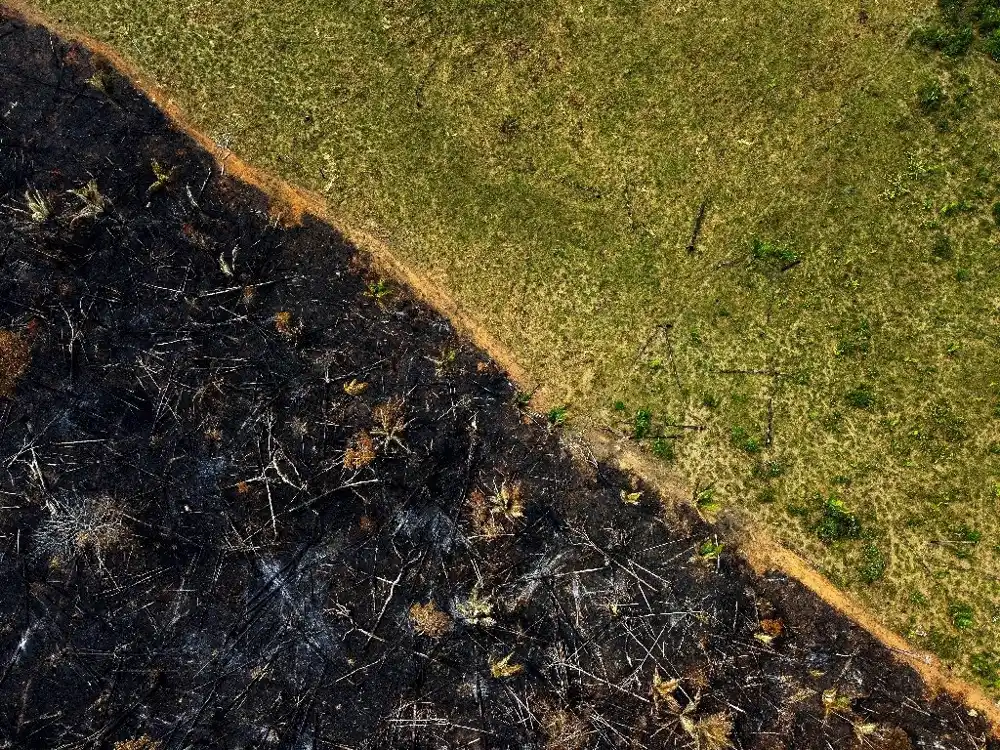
pixel 996 213
pixel 962 615
pixel 856 341
pixel 873 564
pixel 986 666
pixel 837 522
pixel 664 448
pixel 745 441
pixel 862 397
pixel 942 248
pixel 931 96
pixel 991 46
pixel 642 423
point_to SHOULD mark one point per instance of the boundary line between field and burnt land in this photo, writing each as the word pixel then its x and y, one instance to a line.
pixel 290 204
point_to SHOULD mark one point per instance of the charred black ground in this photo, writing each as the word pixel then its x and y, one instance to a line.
pixel 237 460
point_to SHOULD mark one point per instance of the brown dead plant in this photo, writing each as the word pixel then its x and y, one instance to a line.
pixel 15 356
pixel 139 743
pixel 389 422
pixel 562 729
pixel 429 620
pixel 360 452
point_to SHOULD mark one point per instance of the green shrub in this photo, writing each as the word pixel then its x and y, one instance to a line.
pixel 862 397
pixel 953 42
pixel 557 415
pixel 986 666
pixel 931 96
pixel 837 522
pixel 856 341
pixel 773 254
pixel 873 564
pixel 642 423
pixel 996 213
pixel 991 46
pixel 664 448
pixel 962 615
pixel 942 249
pixel 745 441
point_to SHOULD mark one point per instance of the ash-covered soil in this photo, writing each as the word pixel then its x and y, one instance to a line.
pixel 253 496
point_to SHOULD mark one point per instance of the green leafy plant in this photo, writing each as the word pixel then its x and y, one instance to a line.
pixel 862 397
pixel 642 423
pixel 557 415
pixel 773 255
pixel 931 96
pixel 704 499
pixel 986 666
pixel 523 398
pixel 162 175
pixel 873 564
pixel 745 441
pixel 379 290
pixel 710 549
pixel 837 522
pixel 962 615
pixel 664 448
pixel 856 341
pixel 996 213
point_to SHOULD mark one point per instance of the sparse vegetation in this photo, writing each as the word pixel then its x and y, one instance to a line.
pixel 521 156
pixel 245 567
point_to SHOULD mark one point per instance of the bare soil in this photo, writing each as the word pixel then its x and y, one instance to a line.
pixel 239 470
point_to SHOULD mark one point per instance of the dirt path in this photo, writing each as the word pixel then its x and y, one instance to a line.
pixel 291 205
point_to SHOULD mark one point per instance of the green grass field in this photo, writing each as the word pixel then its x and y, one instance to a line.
pixel 834 332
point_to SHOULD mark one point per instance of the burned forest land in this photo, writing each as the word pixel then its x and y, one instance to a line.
pixel 255 495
